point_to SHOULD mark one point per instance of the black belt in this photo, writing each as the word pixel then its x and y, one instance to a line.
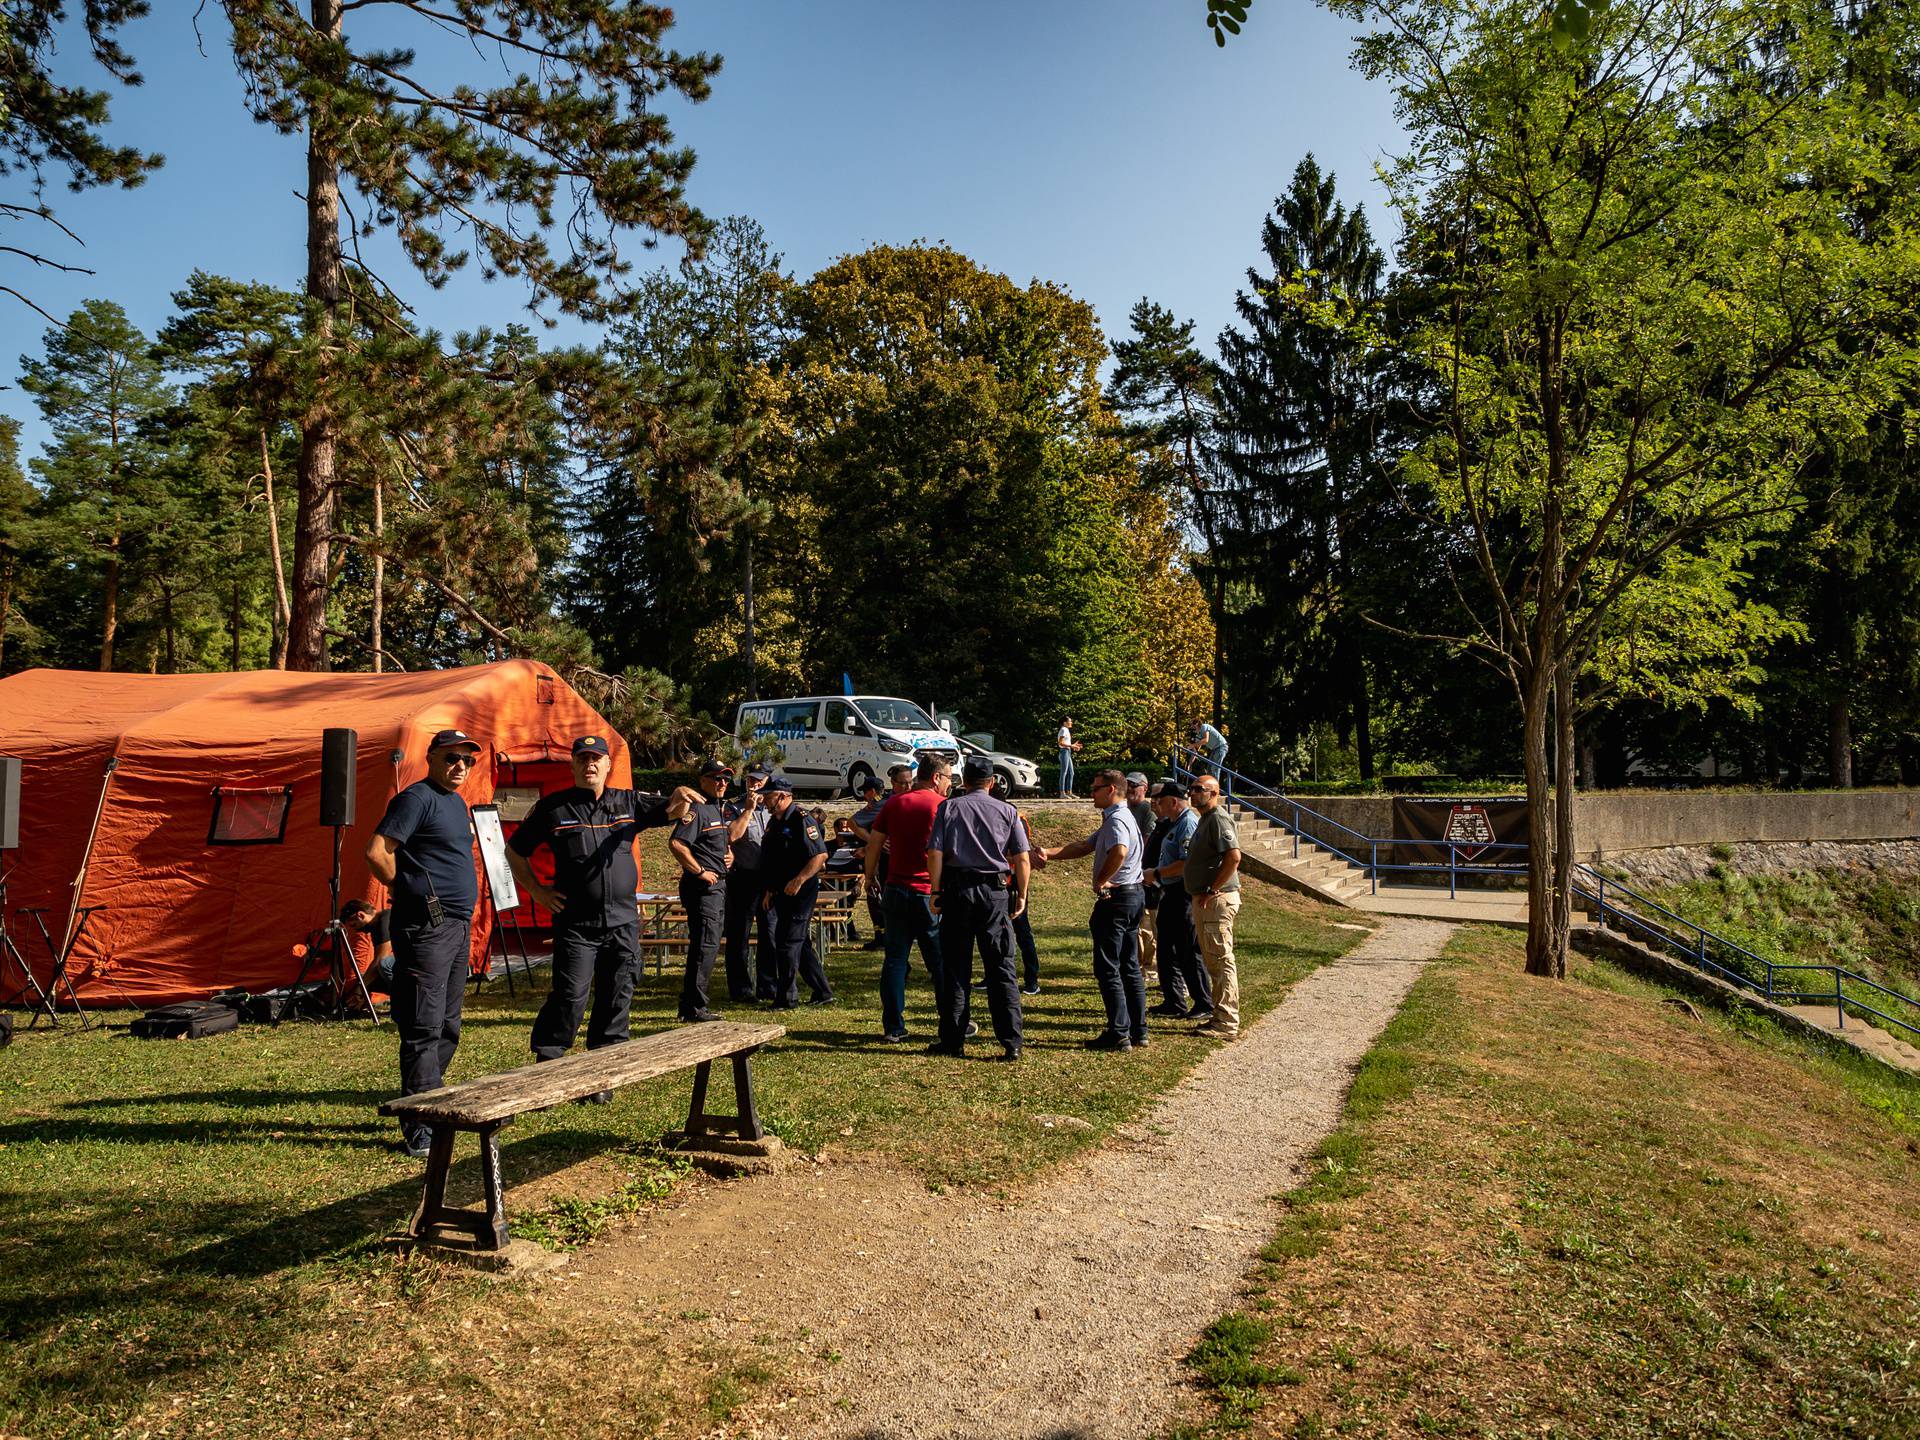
pixel 965 872
pixel 1128 889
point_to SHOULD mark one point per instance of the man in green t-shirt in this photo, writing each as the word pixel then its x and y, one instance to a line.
pixel 1213 884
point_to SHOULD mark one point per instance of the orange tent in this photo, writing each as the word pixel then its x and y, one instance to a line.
pixel 122 775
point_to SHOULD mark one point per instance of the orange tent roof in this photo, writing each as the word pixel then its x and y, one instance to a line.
pixel 181 917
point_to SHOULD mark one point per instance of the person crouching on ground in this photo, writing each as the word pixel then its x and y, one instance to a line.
pixel 1119 901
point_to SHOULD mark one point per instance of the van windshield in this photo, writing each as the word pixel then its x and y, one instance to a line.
pixel 894 714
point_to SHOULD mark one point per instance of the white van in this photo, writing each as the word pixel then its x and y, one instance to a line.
pixel 834 742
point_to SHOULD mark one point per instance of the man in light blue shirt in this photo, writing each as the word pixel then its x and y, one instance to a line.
pixel 1119 901
pixel 1213 745
pixel 1173 920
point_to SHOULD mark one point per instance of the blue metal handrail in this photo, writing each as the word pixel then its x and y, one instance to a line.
pixel 1606 896
pixel 1239 787
pixel 1745 969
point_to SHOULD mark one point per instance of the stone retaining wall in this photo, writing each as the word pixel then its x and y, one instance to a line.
pixel 1609 824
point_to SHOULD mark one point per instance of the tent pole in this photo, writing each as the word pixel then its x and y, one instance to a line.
pixel 86 856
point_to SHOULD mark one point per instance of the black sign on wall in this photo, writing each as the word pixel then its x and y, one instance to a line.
pixel 1475 825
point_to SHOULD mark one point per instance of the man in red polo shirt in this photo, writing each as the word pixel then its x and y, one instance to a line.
pixel 899 835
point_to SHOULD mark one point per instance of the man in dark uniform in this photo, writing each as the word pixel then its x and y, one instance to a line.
pixel 977 840
pixel 872 797
pixel 422 851
pixel 747 818
pixel 791 859
pixel 700 843
pixel 596 921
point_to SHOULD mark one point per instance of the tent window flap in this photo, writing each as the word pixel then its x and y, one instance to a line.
pixel 249 817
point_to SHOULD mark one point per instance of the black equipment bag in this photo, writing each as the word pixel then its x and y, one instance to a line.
pixel 254 1009
pixel 6 1031
pixel 189 1020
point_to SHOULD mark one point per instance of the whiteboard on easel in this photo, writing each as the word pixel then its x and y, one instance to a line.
pixel 493 854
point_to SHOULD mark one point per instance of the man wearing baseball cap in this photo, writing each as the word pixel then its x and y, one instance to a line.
pixel 701 844
pixel 747 817
pixel 590 829
pixel 422 851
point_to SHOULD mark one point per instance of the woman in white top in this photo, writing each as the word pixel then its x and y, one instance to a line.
pixel 1067 745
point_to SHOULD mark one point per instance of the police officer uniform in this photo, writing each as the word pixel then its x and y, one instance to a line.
pixel 434 892
pixel 743 913
pixel 703 831
pixel 596 934
pixel 975 833
pixel 792 840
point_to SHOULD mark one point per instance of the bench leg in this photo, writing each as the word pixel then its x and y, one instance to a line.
pixel 488 1227
pixel 697 1111
pixel 749 1121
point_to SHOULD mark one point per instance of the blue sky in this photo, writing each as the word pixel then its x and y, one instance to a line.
pixel 1107 145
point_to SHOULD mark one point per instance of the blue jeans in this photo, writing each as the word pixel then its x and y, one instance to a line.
pixel 1216 762
pixel 1066 771
pixel 910 917
pixel 1116 961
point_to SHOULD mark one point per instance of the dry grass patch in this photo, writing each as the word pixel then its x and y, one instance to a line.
pixel 1571 1209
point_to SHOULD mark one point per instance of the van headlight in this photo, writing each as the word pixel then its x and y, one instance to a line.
pixel 895 747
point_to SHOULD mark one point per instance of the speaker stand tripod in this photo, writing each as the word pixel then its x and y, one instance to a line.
pixel 337 946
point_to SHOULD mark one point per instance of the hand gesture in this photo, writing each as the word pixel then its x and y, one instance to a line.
pixel 707 877
pixel 549 898
pixel 1018 908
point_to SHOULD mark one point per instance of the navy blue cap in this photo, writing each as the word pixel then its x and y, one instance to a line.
pixel 757 771
pixel 592 745
pixel 978 767
pixel 447 739
pixel 780 783
pixel 716 767
pixel 870 782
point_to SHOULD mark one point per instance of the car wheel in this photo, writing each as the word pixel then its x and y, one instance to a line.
pixel 1003 782
pixel 856 777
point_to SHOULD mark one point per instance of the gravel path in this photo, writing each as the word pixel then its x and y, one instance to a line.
pixel 1067 1312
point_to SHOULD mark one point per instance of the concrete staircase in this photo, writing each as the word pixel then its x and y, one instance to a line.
pixel 1267 851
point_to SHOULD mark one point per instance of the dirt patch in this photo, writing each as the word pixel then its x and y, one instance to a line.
pixel 1064 1311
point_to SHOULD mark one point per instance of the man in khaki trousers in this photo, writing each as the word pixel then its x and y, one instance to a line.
pixel 1213 886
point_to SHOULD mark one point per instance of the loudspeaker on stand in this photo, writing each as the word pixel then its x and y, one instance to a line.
pixel 338 748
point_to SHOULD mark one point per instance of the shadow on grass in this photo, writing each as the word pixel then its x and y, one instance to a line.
pixel 134 1289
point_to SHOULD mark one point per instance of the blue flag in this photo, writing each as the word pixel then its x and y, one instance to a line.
pixel 846 683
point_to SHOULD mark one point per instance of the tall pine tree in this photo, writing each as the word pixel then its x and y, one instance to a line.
pixel 574 148
pixel 1306 499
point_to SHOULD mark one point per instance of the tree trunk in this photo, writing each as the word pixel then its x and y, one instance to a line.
pixel 379 574
pixel 233 628
pixel 746 635
pixel 1219 653
pixel 313 517
pixel 281 612
pixel 110 616
pixel 1839 744
pixel 167 628
pixel 1363 720
pixel 1563 854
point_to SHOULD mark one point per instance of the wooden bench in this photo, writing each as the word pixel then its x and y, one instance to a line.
pixel 491 1102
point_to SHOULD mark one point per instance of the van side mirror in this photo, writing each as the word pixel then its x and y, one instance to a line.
pixel 847 725
pixel 946 723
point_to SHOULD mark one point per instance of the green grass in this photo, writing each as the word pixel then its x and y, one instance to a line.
pixel 1866 921
pixel 170 1212
pixel 1566 1208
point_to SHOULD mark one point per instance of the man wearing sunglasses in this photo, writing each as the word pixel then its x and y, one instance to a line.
pixel 1119 901
pixel 422 851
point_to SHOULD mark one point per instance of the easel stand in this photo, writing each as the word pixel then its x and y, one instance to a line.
pixel 338 948
pixel 32 991
pixel 60 957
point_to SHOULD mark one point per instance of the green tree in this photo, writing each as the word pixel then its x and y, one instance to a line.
pixel 1165 387
pixel 48 125
pixel 1309 518
pixel 953 518
pixel 18 501
pixel 1643 320
pixel 98 388
pixel 576 145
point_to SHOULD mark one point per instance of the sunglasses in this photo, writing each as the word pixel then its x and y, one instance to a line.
pixel 462 759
